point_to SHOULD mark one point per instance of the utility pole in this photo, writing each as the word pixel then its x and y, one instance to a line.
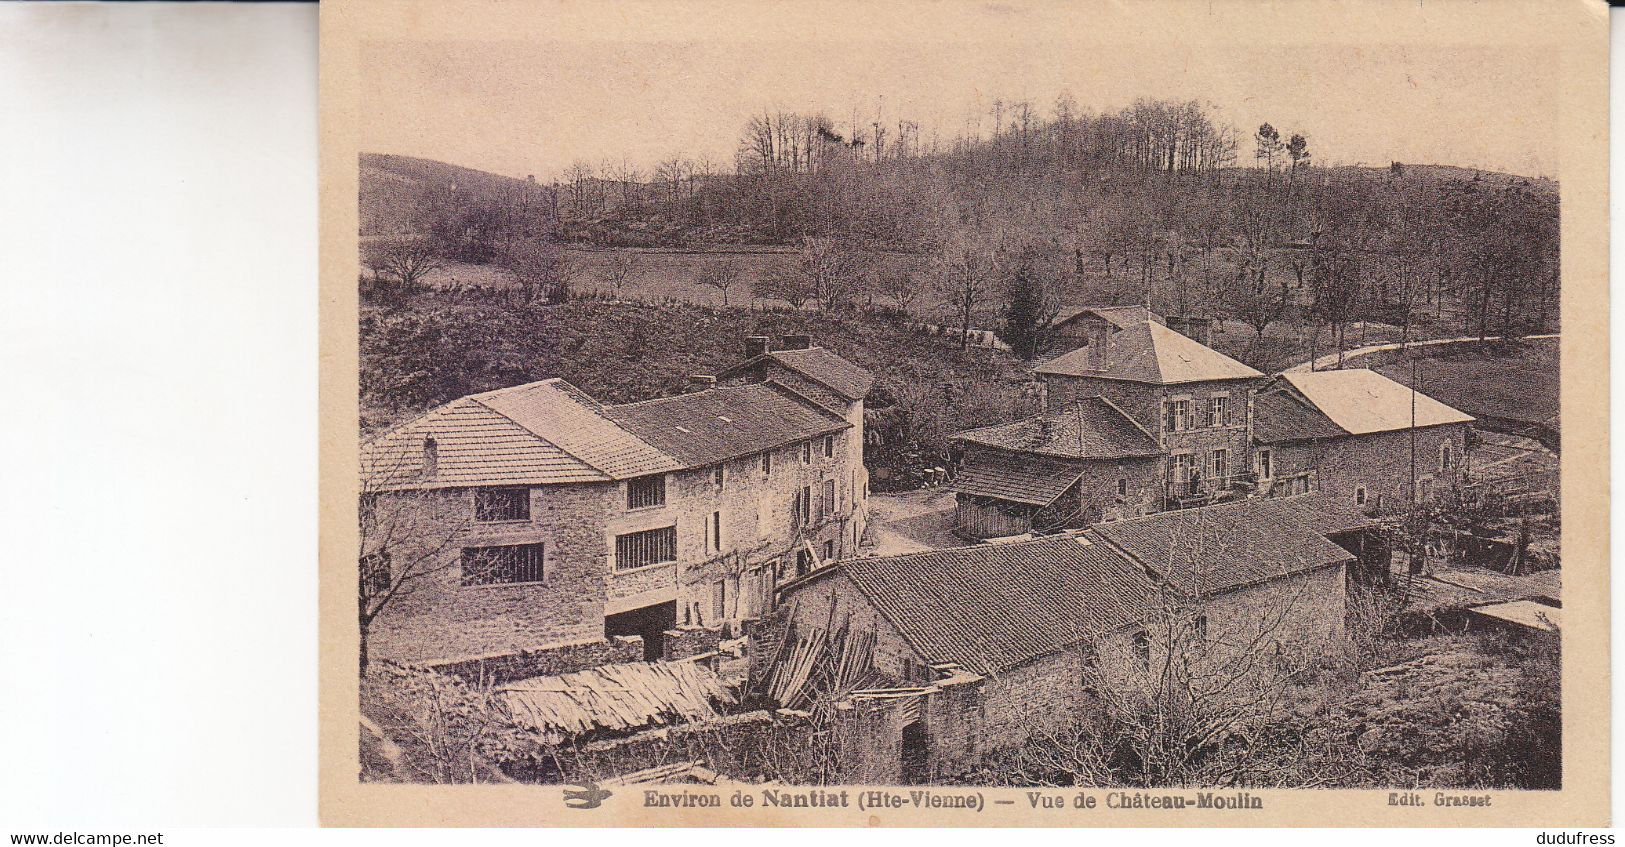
pixel 1411 513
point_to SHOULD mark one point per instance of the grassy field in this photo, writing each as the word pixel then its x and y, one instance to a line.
pixel 660 275
pixel 1516 381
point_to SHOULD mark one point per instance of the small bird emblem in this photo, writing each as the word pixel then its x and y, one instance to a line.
pixel 589 796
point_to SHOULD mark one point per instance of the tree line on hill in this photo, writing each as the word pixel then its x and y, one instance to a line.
pixel 1151 204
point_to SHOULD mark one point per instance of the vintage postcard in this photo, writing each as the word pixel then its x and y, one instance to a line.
pixel 964 414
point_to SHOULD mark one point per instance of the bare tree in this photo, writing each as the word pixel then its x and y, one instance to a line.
pixel 834 268
pixel 787 284
pixel 407 533
pixel 720 274
pixel 965 277
pixel 617 271
pixel 403 262
pixel 904 288
pixel 542 271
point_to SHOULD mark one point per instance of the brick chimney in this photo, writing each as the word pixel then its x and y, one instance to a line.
pixel 796 342
pixel 700 382
pixel 756 345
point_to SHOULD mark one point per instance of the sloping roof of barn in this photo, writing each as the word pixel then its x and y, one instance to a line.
pixel 819 365
pixel 1218 548
pixel 538 433
pixel 1121 317
pixel 705 427
pixel 1361 401
pixel 1034 480
pixel 995 606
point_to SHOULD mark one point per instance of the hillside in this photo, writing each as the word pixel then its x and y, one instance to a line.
pixel 428 348
pixel 396 192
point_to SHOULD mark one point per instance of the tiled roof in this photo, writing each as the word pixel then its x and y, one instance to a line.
pixel 563 414
pixel 1279 417
pixel 551 432
pixel 1362 401
pixel 1035 480
pixel 1153 353
pixel 705 427
pixel 539 433
pixel 1121 317
pixel 994 606
pixel 819 365
pixel 1090 428
pixel 1326 514
pixel 1216 548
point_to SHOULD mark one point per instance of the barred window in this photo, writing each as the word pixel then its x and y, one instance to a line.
pixel 767 464
pixel 650 547
pixel 501 565
pixel 492 505
pixel 646 491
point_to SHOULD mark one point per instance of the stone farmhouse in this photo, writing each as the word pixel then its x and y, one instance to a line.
pixel 565 526
pixel 976 648
pixel 1192 402
pixel 1357 436
pixel 1221 430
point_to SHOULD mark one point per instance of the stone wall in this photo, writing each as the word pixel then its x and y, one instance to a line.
pixel 686 641
pixel 1143 403
pixel 1379 462
pixel 832 601
pixel 552 661
pixel 759 538
pixel 1296 617
pixel 441 620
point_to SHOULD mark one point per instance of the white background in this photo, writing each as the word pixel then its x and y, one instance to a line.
pixel 158 377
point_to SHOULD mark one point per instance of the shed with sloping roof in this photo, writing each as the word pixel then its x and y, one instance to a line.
pixel 1066 468
pixel 1041 621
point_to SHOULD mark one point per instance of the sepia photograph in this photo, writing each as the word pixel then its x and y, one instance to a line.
pixel 1061 421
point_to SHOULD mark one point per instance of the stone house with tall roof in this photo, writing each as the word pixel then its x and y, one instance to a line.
pixel 561 523
pixel 977 648
pixel 1357 437
pixel 1193 400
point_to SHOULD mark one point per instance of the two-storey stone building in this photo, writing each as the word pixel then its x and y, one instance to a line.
pixel 1194 400
pixel 537 518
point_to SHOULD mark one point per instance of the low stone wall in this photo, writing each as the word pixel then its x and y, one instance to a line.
pixel 546 661
pixel 686 641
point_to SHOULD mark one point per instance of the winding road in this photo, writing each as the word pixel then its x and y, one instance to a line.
pixel 1330 360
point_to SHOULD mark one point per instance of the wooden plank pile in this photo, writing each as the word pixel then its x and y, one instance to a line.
pixel 815 661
